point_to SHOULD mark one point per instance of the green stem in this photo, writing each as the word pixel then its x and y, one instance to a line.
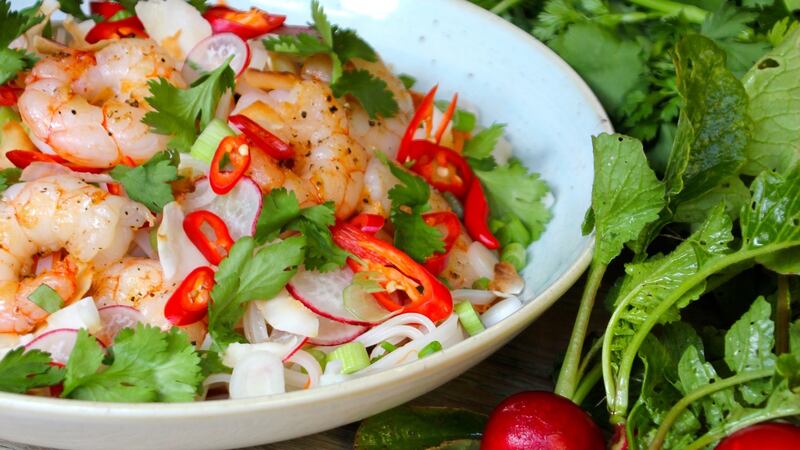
pixel 616 383
pixel 587 383
pixel 568 376
pixel 691 13
pixel 677 410
pixel 782 315
pixel 503 6
pixel 588 357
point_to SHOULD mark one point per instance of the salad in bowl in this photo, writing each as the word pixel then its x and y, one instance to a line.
pixel 202 202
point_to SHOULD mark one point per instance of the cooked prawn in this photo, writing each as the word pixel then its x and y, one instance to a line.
pixel 87 106
pixel 329 164
pixel 381 133
pixel 50 214
pixel 139 283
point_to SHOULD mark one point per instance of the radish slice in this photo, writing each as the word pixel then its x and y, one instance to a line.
pixel 212 52
pixel 239 208
pixel 284 313
pixel 114 319
pixel 323 294
pixel 59 343
pixel 177 255
pixel 257 374
pixel 332 332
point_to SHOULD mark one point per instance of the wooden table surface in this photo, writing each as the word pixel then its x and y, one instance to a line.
pixel 523 364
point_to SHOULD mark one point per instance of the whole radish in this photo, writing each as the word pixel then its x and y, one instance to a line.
pixel 763 436
pixel 539 420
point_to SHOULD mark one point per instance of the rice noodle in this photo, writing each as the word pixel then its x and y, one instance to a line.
pixel 311 366
pixel 500 311
pixel 377 335
pixel 474 296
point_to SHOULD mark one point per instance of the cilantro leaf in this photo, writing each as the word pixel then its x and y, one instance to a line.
pixel 513 191
pixel 15 23
pixel 178 111
pixel 347 44
pixel 46 298
pixel 748 347
pixel 73 8
pixel 321 23
pixel 21 371
pixel 149 183
pixel 776 122
pixel 145 364
pixel 314 224
pixel 626 195
pixel 279 208
pixel 462 120
pixel 725 26
pixel 409 200
pixel 482 144
pixel 8 177
pixel 14 61
pixel 249 274
pixel 372 92
pixel 281 211
pixel 302 44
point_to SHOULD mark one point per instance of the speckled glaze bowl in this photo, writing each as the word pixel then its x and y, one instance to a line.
pixel 513 79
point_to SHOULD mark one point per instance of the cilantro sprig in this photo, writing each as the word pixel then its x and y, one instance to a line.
pixel 149 183
pixel 249 273
pixel 342 45
pixel 145 364
pixel 409 201
pixel 182 113
pixel 281 212
pixel 14 24
pixel 21 371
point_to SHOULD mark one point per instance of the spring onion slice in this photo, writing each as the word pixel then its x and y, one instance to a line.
pixel 469 318
pixel 352 355
pixel 206 144
pixel 514 253
pixel 430 349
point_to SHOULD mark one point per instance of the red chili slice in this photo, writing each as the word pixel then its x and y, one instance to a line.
pixel 24 158
pixel 8 95
pixel 214 249
pixel 449 220
pixel 245 24
pixel 424 113
pixel 368 223
pixel 189 303
pixel 125 28
pixel 236 149
pixel 261 137
pixel 422 292
pixel 476 216
pixel 443 168
pixel 106 10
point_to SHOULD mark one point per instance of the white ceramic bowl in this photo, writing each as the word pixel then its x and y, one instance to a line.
pixel 513 79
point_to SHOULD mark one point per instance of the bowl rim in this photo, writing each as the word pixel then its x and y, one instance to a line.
pixel 512 325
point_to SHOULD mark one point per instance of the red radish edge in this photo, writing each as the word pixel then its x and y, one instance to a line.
pixel 314 305
pixel 300 345
pixel 332 332
pixel 202 49
pixel 49 335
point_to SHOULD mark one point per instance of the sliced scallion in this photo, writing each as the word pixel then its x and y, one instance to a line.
pixel 352 355
pixel 469 318
pixel 206 144
pixel 514 253
pixel 430 349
